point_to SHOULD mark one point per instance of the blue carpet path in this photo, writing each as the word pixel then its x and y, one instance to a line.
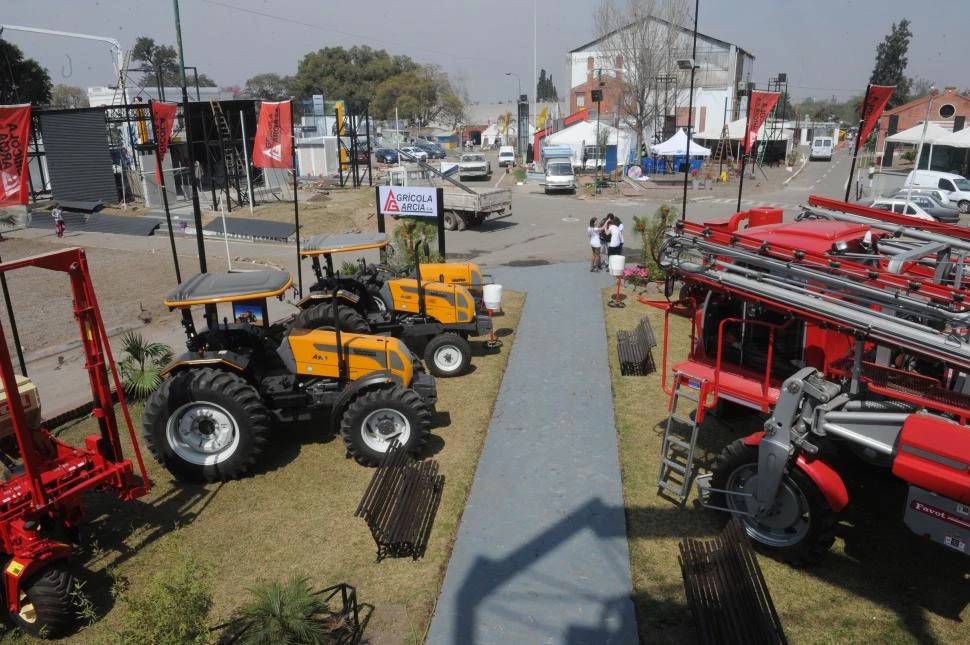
pixel 541 554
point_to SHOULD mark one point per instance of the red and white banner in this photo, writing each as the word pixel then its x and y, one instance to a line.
pixel 877 96
pixel 759 107
pixel 273 147
pixel 14 132
pixel 163 120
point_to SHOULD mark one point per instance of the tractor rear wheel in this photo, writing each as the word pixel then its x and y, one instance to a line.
pixel 800 527
pixel 320 316
pixel 206 425
pixel 46 607
pixel 447 355
pixel 379 416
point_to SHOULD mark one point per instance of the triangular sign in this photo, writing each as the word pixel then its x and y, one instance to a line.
pixel 390 205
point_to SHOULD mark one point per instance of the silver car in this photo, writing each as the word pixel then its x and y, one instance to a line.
pixel 412 153
pixel 949 215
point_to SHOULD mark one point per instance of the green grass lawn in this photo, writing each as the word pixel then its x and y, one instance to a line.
pixel 296 516
pixel 879 584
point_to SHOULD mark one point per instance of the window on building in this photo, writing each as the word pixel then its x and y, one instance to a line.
pixel 580 99
pixel 947 111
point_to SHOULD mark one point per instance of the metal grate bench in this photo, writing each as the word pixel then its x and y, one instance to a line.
pixel 726 592
pixel 634 349
pixel 400 503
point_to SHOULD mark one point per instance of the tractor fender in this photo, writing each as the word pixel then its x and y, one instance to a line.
pixel 323 296
pixel 376 378
pixel 230 361
pixel 829 482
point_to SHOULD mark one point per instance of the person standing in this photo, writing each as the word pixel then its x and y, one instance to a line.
pixel 58 216
pixel 614 228
pixel 595 244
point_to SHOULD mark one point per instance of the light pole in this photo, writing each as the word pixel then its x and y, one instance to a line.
pixel 690 108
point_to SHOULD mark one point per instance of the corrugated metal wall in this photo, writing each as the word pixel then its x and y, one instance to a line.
pixel 76 143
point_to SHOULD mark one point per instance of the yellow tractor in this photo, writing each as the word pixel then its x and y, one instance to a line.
pixel 435 312
pixel 211 418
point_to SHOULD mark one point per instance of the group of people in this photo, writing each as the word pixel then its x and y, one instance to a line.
pixel 609 233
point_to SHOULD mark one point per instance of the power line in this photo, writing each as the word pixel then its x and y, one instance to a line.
pixel 363 38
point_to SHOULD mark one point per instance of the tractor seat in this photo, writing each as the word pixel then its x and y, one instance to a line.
pixel 212 288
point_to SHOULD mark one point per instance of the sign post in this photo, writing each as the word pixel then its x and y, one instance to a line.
pixel 412 201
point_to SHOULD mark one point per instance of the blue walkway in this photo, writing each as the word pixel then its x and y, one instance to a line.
pixel 541 554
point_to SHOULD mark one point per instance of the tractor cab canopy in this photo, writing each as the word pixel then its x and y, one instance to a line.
pixel 213 288
pixel 329 244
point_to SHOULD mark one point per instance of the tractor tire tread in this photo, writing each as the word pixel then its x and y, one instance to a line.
pixel 50 592
pixel 320 315
pixel 448 338
pixel 420 430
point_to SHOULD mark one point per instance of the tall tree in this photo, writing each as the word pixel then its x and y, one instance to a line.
pixel 68 97
pixel 647 38
pixel 269 87
pixel 22 80
pixel 545 88
pixel 348 74
pixel 891 61
pixel 161 63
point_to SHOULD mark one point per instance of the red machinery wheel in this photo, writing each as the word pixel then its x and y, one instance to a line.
pixel 46 607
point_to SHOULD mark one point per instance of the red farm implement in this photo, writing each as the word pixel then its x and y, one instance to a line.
pixel 42 497
pixel 851 328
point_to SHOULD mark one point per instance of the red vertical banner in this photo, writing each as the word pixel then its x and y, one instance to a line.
pixel 877 96
pixel 759 107
pixel 273 147
pixel 14 133
pixel 163 120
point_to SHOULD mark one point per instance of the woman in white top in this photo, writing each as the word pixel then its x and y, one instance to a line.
pixel 594 243
pixel 614 228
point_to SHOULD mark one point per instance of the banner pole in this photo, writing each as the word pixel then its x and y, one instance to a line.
pixel 249 181
pixel 296 204
pixel 858 142
pixel 161 182
pixel 744 157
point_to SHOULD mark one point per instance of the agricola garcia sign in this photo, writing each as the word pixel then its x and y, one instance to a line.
pixel 402 201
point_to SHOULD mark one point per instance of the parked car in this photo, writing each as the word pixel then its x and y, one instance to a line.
pixel 506 156
pixel 434 150
pixel 947 214
pixel 900 207
pixel 363 155
pixel 474 165
pixel 413 153
pixel 385 155
pixel 939 196
pixel 956 186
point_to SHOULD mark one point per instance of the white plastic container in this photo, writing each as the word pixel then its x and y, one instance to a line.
pixel 492 295
pixel 617 263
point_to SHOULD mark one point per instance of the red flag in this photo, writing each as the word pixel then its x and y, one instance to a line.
pixel 759 107
pixel 875 102
pixel 163 120
pixel 273 147
pixel 14 131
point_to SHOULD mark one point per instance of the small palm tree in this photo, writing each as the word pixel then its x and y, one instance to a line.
pixel 286 613
pixel 141 365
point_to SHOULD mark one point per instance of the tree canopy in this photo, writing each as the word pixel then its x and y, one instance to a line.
pixel 69 97
pixel 162 61
pixel 348 74
pixel 545 89
pixel 891 61
pixel 22 80
pixel 269 87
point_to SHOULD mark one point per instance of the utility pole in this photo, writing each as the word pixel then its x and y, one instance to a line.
pixel 196 208
pixel 690 111
pixel 597 95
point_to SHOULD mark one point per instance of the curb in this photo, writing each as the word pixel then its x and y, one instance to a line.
pixel 74 344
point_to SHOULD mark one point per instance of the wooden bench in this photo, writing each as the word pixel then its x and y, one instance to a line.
pixel 634 349
pixel 400 503
pixel 726 592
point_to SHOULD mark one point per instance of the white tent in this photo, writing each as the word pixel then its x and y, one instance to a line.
pixel 677 146
pixel 958 139
pixel 915 134
pixel 584 134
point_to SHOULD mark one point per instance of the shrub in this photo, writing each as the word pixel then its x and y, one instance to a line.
pixel 141 365
pixel 283 612
pixel 651 232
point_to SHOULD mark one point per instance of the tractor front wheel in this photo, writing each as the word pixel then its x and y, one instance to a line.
pixel 206 425
pixel 380 416
pixel 447 355
pixel 320 316
pixel 46 607
pixel 800 526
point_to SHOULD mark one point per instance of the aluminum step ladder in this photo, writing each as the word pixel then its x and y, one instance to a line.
pixel 680 438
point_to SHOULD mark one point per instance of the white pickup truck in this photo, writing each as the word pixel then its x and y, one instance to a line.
pixel 474 165
pixel 464 207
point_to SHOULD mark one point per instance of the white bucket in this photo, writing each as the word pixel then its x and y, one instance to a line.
pixel 616 265
pixel 492 296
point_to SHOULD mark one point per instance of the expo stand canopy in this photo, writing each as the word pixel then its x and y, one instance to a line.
pixel 676 146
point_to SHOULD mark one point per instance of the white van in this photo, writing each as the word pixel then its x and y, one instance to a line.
pixel 956 187
pixel 821 149
pixel 559 175
pixel 506 156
